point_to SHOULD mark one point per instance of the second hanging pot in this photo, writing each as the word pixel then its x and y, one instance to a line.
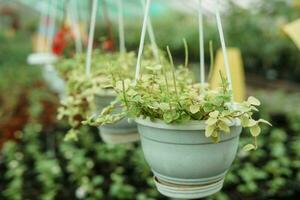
pixel 124 131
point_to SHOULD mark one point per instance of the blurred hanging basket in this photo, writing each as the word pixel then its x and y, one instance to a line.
pixel 121 132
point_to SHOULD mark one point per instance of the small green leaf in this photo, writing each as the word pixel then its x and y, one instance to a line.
pixel 249 147
pixel 119 86
pixel 209 130
pixel 265 122
pixel 255 130
pixel 164 106
pixel 72 135
pixel 244 120
pixel 208 107
pixel 214 114
pixel 251 123
pixel 154 68
pixel 224 127
pixel 211 121
pixel 253 101
pixel 225 120
pixel 168 117
pixel 215 137
pixel 194 109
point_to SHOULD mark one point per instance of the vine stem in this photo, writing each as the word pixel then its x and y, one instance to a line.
pixel 124 94
pixel 173 68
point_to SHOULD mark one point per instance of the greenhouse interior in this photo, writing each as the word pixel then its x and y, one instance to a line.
pixel 149 99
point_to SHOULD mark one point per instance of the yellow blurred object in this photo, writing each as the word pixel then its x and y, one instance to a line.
pixel 40 43
pixel 296 3
pixel 237 73
pixel 293 31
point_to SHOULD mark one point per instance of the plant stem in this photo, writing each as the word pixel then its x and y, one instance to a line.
pixel 211 53
pixel 186 50
pixel 173 73
pixel 124 94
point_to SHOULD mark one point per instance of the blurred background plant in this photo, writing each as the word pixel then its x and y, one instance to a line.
pixel 35 162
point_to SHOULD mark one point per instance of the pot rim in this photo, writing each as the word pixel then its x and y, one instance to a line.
pixel 41 58
pixel 190 125
pixel 106 93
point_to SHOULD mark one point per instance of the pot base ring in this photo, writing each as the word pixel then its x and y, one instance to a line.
pixel 113 138
pixel 187 191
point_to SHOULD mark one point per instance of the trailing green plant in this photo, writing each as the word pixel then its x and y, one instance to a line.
pixel 82 89
pixel 274 166
pixel 107 69
pixel 163 93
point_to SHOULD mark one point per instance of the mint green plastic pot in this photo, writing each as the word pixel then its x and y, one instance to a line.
pixel 121 132
pixel 54 80
pixel 185 163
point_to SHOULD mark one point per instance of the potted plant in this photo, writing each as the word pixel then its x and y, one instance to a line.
pixel 88 96
pixel 189 132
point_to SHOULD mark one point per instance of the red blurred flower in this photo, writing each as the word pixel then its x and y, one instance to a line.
pixel 61 40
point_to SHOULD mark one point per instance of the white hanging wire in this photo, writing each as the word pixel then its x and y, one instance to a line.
pixel 151 36
pixel 73 13
pixel 142 41
pixel 224 50
pixel 91 38
pixel 121 27
pixel 201 43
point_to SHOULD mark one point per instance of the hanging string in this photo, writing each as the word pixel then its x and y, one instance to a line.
pixel 151 36
pixel 142 41
pixel 201 43
pixel 224 50
pixel 75 26
pixel 91 38
pixel 121 27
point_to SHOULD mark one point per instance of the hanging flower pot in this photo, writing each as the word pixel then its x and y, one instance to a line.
pixel 189 132
pixel 41 58
pixel 88 95
pixel 121 132
pixel 186 163
pixel 54 80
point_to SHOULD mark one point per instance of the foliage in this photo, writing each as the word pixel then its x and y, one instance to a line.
pixel 165 94
pixel 106 69
pixel 90 169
